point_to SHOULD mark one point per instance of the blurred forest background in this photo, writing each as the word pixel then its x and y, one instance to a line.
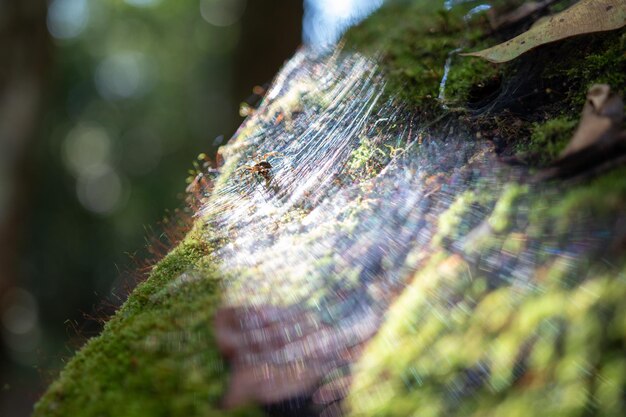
pixel 104 106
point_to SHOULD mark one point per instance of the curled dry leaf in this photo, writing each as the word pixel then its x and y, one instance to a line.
pixel 598 140
pixel 586 16
pixel 600 121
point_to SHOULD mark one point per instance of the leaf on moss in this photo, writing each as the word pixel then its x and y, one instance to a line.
pixel 600 122
pixel 586 16
pixel 598 140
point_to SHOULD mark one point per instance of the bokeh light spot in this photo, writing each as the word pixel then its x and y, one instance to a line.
pixel 67 18
pixel 222 12
pixel 20 315
pixel 85 147
pixel 99 190
pixel 143 3
pixel 122 75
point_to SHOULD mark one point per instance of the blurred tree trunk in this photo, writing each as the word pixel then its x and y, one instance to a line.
pixel 265 48
pixel 24 61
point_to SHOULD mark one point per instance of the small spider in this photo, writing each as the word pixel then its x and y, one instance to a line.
pixel 261 167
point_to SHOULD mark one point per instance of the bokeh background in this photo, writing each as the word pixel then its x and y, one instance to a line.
pixel 104 105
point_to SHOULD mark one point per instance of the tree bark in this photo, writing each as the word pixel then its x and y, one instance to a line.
pixel 24 62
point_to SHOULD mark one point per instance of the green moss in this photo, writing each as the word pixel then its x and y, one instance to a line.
pixel 366 160
pixel 470 80
pixel 415 38
pixel 432 357
pixel 416 47
pixel 449 221
pixel 600 59
pixel 157 355
pixel 597 199
pixel 549 138
pixel 500 219
pixel 540 349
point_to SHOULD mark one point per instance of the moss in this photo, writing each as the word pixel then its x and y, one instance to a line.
pixel 449 222
pixel 514 244
pixel 471 81
pixel 416 48
pixel 596 199
pixel 452 342
pixel 600 59
pixel 540 347
pixel 515 97
pixel 366 160
pixel 500 219
pixel 549 138
pixel 416 361
pixel 157 355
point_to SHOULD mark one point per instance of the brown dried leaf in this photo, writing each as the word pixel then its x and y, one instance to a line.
pixel 601 118
pixel 586 16
pixel 598 140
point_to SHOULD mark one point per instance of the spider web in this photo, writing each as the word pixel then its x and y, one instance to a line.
pixel 363 193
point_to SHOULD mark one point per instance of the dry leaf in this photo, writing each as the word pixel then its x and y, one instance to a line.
pixel 600 121
pixel 586 16
pixel 598 141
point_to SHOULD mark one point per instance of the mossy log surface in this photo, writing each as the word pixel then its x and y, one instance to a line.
pixel 513 306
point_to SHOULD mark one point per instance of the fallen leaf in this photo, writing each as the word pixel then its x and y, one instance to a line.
pixel 598 142
pixel 600 121
pixel 586 16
